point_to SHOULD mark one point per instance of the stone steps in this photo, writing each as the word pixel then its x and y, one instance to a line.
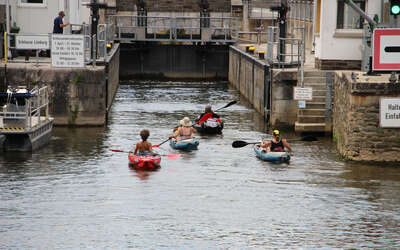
pixel 314 74
pixel 317 99
pixel 315 105
pixel 311 112
pixel 313 79
pixel 309 127
pixel 311 118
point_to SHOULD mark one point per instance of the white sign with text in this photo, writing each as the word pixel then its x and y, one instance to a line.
pixel 302 94
pixel 32 42
pixel 67 51
pixel 389 112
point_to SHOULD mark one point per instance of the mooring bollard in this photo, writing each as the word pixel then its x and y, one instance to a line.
pixel 251 50
pixel 261 54
pixel 247 48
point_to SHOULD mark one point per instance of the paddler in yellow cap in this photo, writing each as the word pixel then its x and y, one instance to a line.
pixel 276 144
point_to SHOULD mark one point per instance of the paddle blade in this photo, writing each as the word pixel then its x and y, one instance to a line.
pixel 227 105
pixel 239 144
pixel 156 146
pixel 173 156
pixel 117 150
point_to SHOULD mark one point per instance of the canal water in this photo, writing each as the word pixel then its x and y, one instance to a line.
pixel 76 193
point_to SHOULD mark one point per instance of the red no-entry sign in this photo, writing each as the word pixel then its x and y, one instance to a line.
pixel 386 50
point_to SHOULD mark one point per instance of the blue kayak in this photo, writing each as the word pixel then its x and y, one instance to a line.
pixel 276 157
pixel 188 144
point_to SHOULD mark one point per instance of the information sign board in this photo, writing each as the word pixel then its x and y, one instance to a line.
pixel 302 94
pixel 389 112
pixel 32 42
pixel 67 51
pixel 1 122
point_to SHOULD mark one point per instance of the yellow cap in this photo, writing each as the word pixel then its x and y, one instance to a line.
pixel 108 45
pixel 276 132
pixel 252 48
pixel 261 52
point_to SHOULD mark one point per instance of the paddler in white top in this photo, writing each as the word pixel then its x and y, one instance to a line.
pixel 185 131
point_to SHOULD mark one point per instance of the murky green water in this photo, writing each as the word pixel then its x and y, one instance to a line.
pixel 76 193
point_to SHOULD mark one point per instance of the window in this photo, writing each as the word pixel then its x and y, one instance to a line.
pixel 347 18
pixel 32 3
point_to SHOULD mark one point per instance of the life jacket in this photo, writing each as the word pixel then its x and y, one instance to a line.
pixel 277 147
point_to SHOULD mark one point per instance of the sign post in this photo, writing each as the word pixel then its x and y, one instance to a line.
pixel 386 50
pixel 67 51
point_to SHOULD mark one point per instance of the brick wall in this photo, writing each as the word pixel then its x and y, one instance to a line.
pixel 356 123
pixel 175 5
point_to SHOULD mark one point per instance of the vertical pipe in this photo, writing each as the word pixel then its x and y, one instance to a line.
pixel 4 89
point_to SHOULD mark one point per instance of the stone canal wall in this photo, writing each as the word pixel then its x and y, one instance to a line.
pixel 174 5
pixel 160 61
pixel 356 120
pixel 78 97
pixel 270 96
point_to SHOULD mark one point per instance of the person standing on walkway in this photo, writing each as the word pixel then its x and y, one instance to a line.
pixel 58 23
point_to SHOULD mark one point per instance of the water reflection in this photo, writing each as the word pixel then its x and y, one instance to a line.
pixel 76 193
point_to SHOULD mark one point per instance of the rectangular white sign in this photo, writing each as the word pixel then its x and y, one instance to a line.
pixel 302 94
pixel 32 42
pixel 1 122
pixel 389 112
pixel 67 51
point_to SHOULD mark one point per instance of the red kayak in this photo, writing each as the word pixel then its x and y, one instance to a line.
pixel 145 162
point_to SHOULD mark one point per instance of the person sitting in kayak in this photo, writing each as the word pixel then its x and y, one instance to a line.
pixel 184 131
pixel 276 144
pixel 144 147
pixel 208 113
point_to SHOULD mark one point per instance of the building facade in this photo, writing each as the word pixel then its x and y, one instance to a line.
pixel 36 16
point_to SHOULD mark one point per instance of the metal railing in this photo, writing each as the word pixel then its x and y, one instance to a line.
pixel 293 52
pixel 39 55
pixel 30 113
pixel 302 10
pixel 261 9
pixel 165 28
pixel 105 39
pixel 25 54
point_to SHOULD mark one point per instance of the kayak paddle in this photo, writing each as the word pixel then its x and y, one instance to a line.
pixel 240 144
pixel 157 145
pixel 170 156
pixel 209 115
pixel 227 105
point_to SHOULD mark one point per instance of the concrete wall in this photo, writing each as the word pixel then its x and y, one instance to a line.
pixel 284 108
pixel 174 61
pixel 78 97
pixel 253 78
pixel 356 123
pixel 174 5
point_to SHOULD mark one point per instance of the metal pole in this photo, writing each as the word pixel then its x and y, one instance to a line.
pixel 361 12
pixel 8 22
